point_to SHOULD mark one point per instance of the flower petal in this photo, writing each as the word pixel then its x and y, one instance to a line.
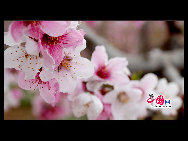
pixel 95 108
pixel 172 89
pixel 16 57
pixel 176 102
pixel 54 28
pixel 78 106
pixel 162 85
pixel 27 84
pixel 72 38
pixel 149 81
pixel 46 75
pixel 120 78
pixel 117 64
pixel 31 46
pixel 110 97
pixel 16 30
pixel 99 57
pixel 8 40
pixel 82 67
pixel 66 81
pixel 48 93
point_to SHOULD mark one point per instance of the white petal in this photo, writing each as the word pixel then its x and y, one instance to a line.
pixel 16 57
pixel 149 81
pixel 95 108
pixel 78 106
pixel 82 67
pixel 162 85
pixel 8 40
pixel 176 102
pixel 172 89
pixel 66 80
pixel 31 47
pixel 110 97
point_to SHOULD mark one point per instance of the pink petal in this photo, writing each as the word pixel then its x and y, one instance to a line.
pixel 48 62
pixel 149 81
pixel 56 53
pixel 118 78
pixel 16 30
pixel 27 84
pixel 72 38
pixel 52 54
pixel 99 57
pixel 54 28
pixel 47 93
pixel 117 64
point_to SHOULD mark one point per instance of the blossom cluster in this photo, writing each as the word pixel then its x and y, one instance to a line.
pixel 46 55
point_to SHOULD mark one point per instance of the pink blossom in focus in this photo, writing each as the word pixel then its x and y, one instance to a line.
pixel 72 68
pixel 113 71
pixel 53 46
pixel 35 29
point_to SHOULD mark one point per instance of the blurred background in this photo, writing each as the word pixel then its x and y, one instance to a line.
pixel 149 46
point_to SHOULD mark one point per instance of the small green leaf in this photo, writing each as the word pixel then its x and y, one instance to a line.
pixel 137 76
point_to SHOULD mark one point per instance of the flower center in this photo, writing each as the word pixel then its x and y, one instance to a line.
pixel 51 41
pixel 102 72
pixel 122 97
pixel 106 88
pixel 48 40
pixel 65 63
pixel 34 23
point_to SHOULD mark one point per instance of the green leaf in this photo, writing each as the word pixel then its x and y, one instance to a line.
pixel 137 76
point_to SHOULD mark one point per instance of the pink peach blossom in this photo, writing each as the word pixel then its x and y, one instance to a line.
pixel 112 72
pixel 72 68
pixel 53 46
pixel 35 29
